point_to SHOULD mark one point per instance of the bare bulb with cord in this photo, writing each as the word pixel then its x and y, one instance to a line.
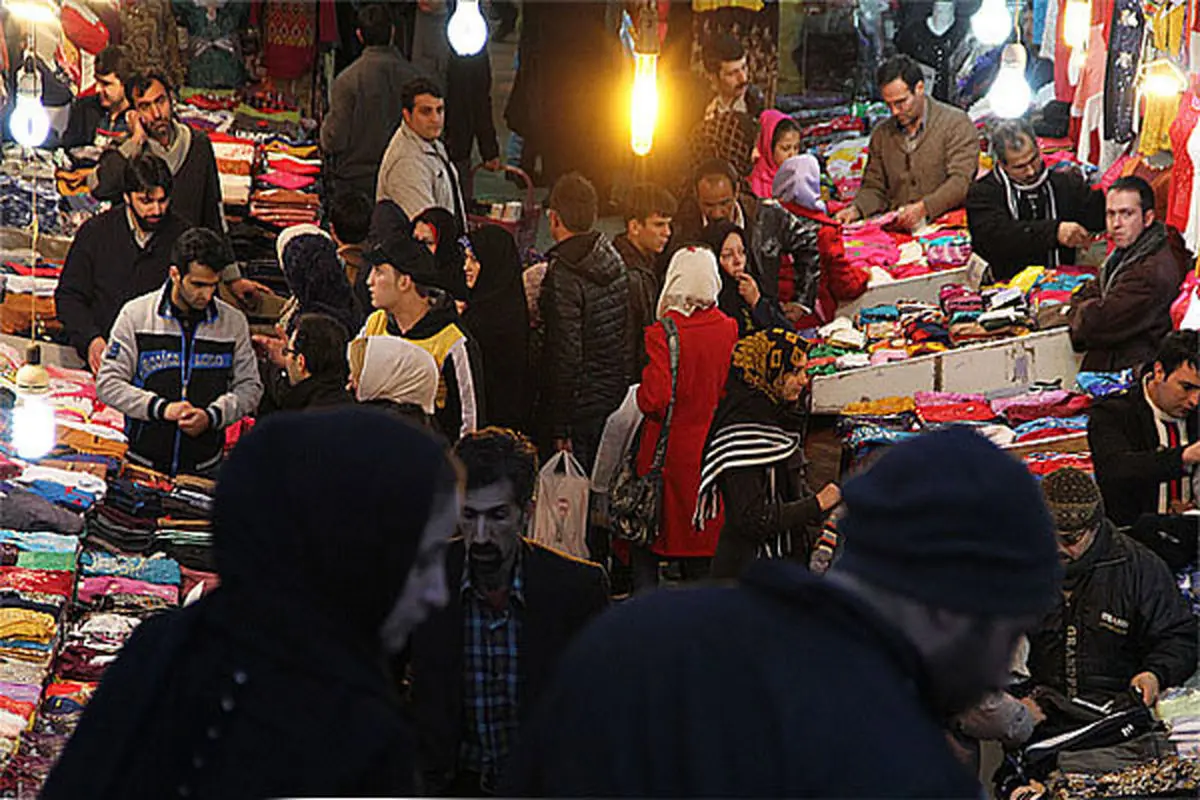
pixel 1010 94
pixel 467 29
pixel 992 24
pixel 33 427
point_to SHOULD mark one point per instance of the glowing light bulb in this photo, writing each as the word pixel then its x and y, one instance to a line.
pixel 1077 22
pixel 1163 78
pixel 643 112
pixel 33 433
pixel 467 29
pixel 36 11
pixel 1010 95
pixel 29 123
pixel 992 24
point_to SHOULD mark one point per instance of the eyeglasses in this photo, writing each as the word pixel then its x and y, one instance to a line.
pixel 288 351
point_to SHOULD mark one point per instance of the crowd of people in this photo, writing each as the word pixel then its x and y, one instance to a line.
pixel 423 348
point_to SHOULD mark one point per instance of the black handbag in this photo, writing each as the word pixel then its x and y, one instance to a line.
pixel 635 502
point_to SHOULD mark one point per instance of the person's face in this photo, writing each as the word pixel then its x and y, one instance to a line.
pixel 733 256
pixel 427 117
pixel 296 367
pixel 1125 218
pixel 787 146
pixel 491 525
pixel 154 107
pixel 716 197
pixel 651 234
pixel 1073 545
pixel 1024 165
pixel 794 383
pixel 732 79
pixel 148 208
pixel 973 659
pixel 425 589
pixel 905 104
pixel 110 91
pixel 1177 394
pixel 384 285
pixel 426 234
pixel 194 290
pixel 471 269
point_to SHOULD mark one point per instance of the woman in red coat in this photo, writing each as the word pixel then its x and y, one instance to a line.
pixel 706 340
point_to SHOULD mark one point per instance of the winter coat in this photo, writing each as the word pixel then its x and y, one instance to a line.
pixel 469 107
pixel 765 313
pixel 1009 245
pixel 1120 319
pixel 840 280
pixel 1130 464
pixel 1129 617
pixel 687 227
pixel 312 393
pixel 587 354
pixel 645 285
pixel 776 233
pixel 706 340
pixel 739 691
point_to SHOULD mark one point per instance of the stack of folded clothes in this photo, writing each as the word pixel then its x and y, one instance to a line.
pixel 284 207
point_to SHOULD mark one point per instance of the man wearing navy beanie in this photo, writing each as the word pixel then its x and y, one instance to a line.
pixel 772 687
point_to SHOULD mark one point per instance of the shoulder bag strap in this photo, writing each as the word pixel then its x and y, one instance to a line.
pixel 660 449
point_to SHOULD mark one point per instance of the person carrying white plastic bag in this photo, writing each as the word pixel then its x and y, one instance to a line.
pixel 560 515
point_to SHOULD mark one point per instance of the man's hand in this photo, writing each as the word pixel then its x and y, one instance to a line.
pixel 829 497
pixel 194 421
pixel 848 214
pixel 912 216
pixel 1180 506
pixel 175 411
pixel 562 446
pixel 1072 234
pixel 245 290
pixel 271 348
pixel 492 165
pixel 1035 711
pixel 137 132
pixel 1191 453
pixel 96 350
pixel 748 289
pixel 1147 685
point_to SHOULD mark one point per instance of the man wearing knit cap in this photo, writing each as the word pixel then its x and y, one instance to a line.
pixel 1132 626
pixel 766 688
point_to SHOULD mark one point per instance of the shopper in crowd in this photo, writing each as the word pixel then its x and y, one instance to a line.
pixel 921 161
pixel 411 296
pixel 1119 318
pixel 436 229
pixel 716 198
pixel 744 296
pixel 587 351
pixel 188 154
pixel 648 212
pixel 365 105
pixel 309 370
pixel 1121 622
pixel 98 119
pixel 753 464
pixel 702 694
pixel 315 277
pixel 1145 441
pixel 178 404
pixel 479 665
pixel 416 172
pixel 797 186
pixel 1022 213
pixel 236 695
pixel 778 140
pixel 350 225
pixel 395 375
pixel 499 319
pixel 116 256
pixel 706 338
pixel 727 129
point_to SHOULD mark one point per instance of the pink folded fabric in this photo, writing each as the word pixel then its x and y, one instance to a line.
pixel 286 180
pixel 946 398
pixel 102 585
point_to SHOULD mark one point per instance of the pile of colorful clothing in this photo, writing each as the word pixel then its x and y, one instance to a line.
pixel 877 242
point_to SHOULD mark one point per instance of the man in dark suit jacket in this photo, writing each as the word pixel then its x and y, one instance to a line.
pixel 1145 441
pixel 479 664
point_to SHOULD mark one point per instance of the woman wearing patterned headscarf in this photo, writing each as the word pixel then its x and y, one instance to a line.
pixel 754 462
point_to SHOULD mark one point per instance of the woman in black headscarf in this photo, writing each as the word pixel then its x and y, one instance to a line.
pixel 315 277
pixel 498 317
pixel 754 462
pixel 437 230
pixel 743 295
pixel 275 685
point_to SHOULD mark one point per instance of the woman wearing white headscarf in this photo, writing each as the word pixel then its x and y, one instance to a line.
pixel 395 374
pixel 706 340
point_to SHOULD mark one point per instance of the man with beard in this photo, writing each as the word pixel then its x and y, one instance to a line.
pixel 1022 214
pixel 479 664
pixel 118 255
pixel 773 687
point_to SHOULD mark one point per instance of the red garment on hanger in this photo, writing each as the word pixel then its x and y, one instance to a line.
pixel 1179 197
pixel 290 33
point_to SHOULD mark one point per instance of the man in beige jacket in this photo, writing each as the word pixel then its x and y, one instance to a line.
pixel 922 160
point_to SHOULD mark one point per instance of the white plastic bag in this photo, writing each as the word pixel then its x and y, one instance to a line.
pixel 615 442
pixel 560 515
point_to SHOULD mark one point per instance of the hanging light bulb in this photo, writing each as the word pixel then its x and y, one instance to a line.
pixel 1010 94
pixel 36 11
pixel 643 112
pixel 33 432
pixel 992 24
pixel 1163 78
pixel 29 122
pixel 1077 23
pixel 467 29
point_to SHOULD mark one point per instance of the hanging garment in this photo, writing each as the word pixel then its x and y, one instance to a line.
pixel 292 29
pixel 215 52
pixel 938 54
pixel 1182 194
pixel 150 39
pixel 1123 58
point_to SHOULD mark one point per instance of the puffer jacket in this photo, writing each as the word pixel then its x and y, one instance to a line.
pixel 586 353
pixel 777 232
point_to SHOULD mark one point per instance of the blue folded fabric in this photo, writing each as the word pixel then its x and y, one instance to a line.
pixel 163 571
pixel 1102 384
pixel 1078 423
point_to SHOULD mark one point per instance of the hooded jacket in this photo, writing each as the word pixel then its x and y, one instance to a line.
pixel 235 696
pixel 1120 319
pixel 587 355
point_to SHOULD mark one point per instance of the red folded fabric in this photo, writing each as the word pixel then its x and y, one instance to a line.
pixel 957 412
pixel 1071 407
pixel 41 581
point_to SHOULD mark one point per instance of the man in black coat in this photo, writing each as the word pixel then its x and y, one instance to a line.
pixel 1145 441
pixel 587 352
pixel 309 370
pixel 479 664
pixel 1022 214
pixel 1131 627
pixel 794 686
